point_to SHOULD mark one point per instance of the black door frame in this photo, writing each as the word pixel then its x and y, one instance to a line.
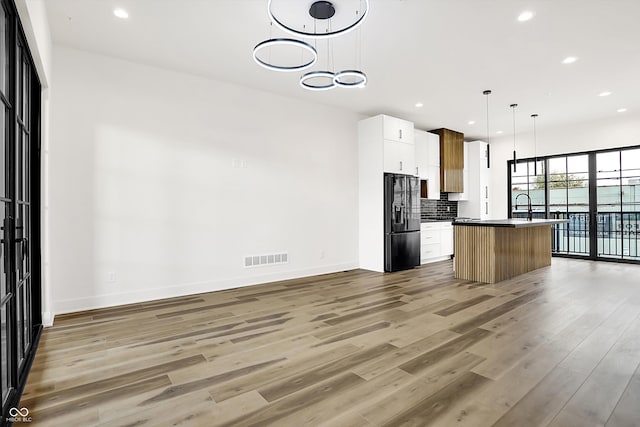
pixel 593 199
pixel 14 37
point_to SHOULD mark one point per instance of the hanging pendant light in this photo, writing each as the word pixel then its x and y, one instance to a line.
pixel 486 93
pixel 353 78
pixel 318 80
pixel 321 80
pixel 350 78
pixel 513 107
pixel 535 144
pixel 280 43
pixel 280 10
pixel 321 20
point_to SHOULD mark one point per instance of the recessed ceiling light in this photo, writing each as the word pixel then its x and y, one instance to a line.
pixel 121 13
pixel 471 122
pixel 499 132
pixel 525 16
pixel 419 105
pixel 621 110
pixel 569 60
pixel 604 93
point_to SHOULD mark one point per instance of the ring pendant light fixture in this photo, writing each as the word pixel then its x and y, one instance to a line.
pixel 513 107
pixel 319 11
pixel 280 42
pixel 486 93
pixel 320 80
pixel 535 146
pixel 360 78
pixel 306 81
pixel 322 10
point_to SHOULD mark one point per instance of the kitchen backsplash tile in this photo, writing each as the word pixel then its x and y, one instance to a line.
pixel 438 209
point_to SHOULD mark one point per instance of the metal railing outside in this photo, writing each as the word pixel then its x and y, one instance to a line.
pixel 617 234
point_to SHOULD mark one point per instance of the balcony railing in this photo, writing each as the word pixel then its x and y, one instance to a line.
pixel 617 234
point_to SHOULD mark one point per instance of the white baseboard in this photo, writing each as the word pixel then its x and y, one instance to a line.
pixel 47 319
pixel 437 259
pixel 111 300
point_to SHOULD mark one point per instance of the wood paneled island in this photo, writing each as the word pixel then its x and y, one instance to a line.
pixel 494 250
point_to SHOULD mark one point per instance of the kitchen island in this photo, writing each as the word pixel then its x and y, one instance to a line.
pixel 493 250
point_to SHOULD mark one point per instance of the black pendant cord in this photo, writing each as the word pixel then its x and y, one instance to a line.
pixel 486 93
pixel 535 146
pixel 515 160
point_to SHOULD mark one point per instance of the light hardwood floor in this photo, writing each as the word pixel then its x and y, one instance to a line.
pixel 559 346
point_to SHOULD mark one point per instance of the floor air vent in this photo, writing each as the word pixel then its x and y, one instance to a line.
pixel 271 259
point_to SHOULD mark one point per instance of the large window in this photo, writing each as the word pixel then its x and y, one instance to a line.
pixel 597 192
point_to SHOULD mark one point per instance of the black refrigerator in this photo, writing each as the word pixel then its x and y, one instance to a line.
pixel 401 222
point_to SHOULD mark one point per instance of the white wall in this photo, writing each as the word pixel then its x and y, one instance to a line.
pixel 143 183
pixel 619 131
pixel 33 15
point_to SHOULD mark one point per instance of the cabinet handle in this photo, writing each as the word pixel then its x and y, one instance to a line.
pixel 486 191
pixel 400 164
pixel 417 171
pixel 486 208
pixel 400 133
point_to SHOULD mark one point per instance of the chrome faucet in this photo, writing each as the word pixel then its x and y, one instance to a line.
pixel 530 212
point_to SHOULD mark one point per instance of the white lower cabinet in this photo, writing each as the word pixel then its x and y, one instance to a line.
pixel 446 239
pixel 436 240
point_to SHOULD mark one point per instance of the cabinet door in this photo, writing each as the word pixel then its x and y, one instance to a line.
pixel 433 183
pixel 484 180
pixel 428 252
pixel 395 129
pixel 407 132
pixel 407 158
pixel 433 155
pixel 399 157
pixel 430 235
pixel 446 240
pixel 393 157
pixel 421 153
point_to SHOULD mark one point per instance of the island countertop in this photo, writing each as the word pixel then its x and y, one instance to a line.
pixel 510 222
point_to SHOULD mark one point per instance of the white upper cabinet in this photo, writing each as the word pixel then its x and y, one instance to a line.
pixel 434 151
pixel 422 153
pixel 399 157
pixel 397 129
pixel 478 192
pixel 428 161
pixel 399 145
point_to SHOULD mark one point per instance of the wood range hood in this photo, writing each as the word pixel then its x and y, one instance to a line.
pixel 451 160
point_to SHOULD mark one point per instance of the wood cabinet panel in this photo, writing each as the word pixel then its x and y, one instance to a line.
pixel 451 160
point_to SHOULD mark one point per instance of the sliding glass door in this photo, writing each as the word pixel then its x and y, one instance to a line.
pixel 597 192
pixel 618 205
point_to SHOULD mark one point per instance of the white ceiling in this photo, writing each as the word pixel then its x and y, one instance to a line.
pixel 442 53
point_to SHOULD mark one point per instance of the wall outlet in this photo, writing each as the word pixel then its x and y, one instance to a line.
pixel 111 277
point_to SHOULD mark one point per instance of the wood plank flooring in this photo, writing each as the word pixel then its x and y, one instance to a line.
pixel 559 346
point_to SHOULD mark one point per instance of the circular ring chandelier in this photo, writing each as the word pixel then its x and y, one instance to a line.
pixel 322 10
pixel 360 78
pixel 284 42
pixel 306 80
